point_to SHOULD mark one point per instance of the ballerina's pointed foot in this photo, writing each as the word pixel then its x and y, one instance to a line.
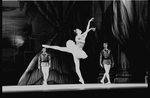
pixel 82 81
pixel 45 46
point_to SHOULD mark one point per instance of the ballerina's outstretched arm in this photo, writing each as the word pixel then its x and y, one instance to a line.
pixel 84 35
pixel 64 49
pixel 88 25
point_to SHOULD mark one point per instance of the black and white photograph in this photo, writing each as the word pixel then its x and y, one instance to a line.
pixel 74 46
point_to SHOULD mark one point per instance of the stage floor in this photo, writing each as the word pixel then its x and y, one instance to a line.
pixel 70 87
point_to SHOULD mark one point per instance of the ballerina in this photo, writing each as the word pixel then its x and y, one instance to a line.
pixel 76 49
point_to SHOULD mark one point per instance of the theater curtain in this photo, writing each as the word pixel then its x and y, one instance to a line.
pixel 30 9
pixel 121 19
pixel 129 27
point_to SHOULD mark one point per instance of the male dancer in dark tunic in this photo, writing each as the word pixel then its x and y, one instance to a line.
pixel 106 61
pixel 44 63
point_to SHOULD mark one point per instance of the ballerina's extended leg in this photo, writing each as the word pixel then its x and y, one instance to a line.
pixel 74 53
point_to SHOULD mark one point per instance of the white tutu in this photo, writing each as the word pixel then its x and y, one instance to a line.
pixel 75 50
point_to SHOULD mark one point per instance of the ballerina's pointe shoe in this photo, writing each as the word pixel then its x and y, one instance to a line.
pixel 81 81
pixel 45 46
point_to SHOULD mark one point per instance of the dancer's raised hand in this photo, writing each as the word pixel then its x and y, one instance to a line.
pixel 93 29
pixel 88 25
pixel 91 19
